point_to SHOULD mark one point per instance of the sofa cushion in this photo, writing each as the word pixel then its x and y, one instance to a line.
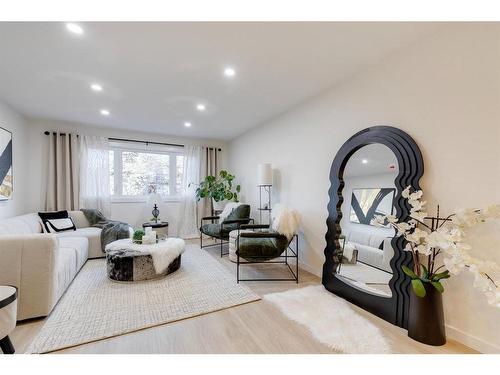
pixel 79 219
pixel 370 255
pixel 376 241
pixel 93 235
pixel 240 212
pixel 66 267
pixel 214 230
pixel 261 249
pixel 79 245
pixel 24 224
pixel 359 237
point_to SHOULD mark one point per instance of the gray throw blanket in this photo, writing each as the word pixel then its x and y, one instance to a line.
pixel 111 230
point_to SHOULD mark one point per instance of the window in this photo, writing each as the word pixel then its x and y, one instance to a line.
pixel 135 170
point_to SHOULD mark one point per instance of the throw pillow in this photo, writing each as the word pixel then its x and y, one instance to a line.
pixel 57 221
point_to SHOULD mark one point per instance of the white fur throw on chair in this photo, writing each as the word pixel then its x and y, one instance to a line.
pixel 285 221
pixel 228 209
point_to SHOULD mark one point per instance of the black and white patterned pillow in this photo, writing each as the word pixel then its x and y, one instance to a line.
pixel 58 221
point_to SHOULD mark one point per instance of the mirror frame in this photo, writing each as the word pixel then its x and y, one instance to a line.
pixel 394 309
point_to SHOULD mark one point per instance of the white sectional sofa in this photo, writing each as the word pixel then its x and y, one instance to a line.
pixel 372 249
pixel 42 265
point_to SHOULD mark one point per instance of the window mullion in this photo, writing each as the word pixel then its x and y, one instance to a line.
pixel 172 169
pixel 118 172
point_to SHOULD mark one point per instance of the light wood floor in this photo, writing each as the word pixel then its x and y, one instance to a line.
pixel 256 327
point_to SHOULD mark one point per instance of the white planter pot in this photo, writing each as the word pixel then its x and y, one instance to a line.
pixel 219 206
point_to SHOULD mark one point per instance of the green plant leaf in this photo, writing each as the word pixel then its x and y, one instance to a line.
pixel 418 288
pixel 438 286
pixel 229 195
pixel 440 276
pixel 238 188
pixel 409 272
pixel 426 273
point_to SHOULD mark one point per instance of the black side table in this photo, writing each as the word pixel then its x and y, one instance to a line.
pixel 8 316
pixel 161 228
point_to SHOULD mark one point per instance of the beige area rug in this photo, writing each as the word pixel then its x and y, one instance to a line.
pixel 330 320
pixel 94 308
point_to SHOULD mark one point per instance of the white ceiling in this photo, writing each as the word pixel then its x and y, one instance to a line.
pixel 153 74
pixel 379 159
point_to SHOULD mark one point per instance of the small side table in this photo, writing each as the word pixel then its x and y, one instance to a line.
pixel 161 228
pixel 8 317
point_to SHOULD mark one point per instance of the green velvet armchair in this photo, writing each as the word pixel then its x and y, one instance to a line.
pixel 220 230
pixel 264 245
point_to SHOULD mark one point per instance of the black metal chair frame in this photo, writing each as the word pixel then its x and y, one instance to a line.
pixel 295 254
pixel 222 242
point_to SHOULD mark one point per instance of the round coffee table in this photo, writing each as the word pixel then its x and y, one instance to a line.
pixel 161 228
pixel 8 317
pixel 127 261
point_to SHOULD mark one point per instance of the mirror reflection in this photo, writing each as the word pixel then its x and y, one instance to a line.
pixel 369 190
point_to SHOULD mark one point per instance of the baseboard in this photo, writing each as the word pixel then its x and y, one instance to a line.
pixel 307 267
pixel 471 341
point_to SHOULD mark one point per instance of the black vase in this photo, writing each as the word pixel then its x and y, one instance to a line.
pixel 426 320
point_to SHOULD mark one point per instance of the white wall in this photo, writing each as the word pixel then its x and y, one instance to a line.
pixel 134 213
pixel 15 123
pixel 443 91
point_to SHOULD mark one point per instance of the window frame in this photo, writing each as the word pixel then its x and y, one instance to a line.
pixel 118 173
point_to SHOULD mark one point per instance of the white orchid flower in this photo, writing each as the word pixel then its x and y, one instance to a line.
pixel 403 228
pixel 424 249
pixel 481 282
pixel 418 215
pixel 391 218
pixel 416 205
pixel 454 265
pixel 465 217
pixel 416 195
pixel 493 297
pixel 417 236
pixel 406 192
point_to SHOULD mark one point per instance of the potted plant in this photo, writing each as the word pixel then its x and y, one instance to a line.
pixel 427 238
pixel 219 189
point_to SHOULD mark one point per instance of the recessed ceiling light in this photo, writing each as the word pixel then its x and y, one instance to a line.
pixel 104 112
pixel 74 28
pixel 201 107
pixel 364 161
pixel 187 124
pixel 96 87
pixel 229 72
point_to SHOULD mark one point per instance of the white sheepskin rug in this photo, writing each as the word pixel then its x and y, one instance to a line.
pixel 285 220
pixel 331 320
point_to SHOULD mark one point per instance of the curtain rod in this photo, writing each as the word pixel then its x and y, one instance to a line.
pixel 137 141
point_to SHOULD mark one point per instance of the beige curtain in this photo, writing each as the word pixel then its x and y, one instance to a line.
pixel 199 162
pixel 210 165
pixel 62 172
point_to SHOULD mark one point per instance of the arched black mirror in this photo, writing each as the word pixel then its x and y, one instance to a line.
pixel 362 260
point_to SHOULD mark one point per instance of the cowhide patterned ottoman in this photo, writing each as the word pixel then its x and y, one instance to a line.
pixel 128 264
